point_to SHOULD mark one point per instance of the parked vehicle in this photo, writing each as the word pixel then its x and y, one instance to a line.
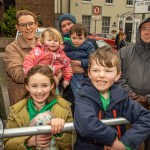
pixel 102 43
pixel 109 41
pixel 105 35
pixel 38 32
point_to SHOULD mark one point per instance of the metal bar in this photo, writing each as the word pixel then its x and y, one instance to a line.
pixel 36 130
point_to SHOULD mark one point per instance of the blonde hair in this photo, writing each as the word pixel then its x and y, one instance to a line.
pixel 54 34
pixel 106 58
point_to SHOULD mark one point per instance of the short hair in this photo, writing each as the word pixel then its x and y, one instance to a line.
pixel 24 13
pixel 53 33
pixel 79 29
pixel 44 70
pixel 106 57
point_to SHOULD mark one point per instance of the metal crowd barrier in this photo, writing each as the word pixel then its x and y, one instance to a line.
pixel 36 130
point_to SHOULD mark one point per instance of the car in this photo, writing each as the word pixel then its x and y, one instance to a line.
pixel 101 43
pixel 105 35
pixel 38 32
pixel 109 41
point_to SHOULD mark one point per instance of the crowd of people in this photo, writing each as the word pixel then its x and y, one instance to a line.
pixel 63 77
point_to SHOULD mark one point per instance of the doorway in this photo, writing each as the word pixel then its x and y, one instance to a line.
pixel 128 31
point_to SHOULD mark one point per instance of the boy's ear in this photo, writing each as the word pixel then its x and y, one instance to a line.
pixel 118 76
pixel 89 74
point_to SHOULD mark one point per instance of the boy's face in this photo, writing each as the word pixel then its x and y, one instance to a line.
pixel 77 40
pixel 102 77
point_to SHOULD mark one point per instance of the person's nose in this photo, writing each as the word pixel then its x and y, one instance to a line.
pixel 27 26
pixel 39 90
pixel 101 74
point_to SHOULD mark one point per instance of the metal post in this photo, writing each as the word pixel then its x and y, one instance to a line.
pixel 95 27
pixel 36 130
pixel 143 16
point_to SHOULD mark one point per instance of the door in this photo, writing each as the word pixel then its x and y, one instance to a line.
pixel 128 31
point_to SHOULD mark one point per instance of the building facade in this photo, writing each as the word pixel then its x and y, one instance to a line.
pixel 43 8
pixel 105 16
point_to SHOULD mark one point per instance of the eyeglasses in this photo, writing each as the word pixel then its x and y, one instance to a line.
pixel 24 25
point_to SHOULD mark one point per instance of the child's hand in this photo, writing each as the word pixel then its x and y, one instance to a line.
pixel 57 124
pixel 75 62
pixel 39 141
pixel 117 145
pixel 65 83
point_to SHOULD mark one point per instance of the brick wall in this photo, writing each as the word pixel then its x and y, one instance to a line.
pixel 43 7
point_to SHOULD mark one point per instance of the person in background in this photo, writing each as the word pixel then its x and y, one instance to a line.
pixel 40 98
pixel 78 49
pixel 17 50
pixel 50 51
pixel 118 38
pixel 123 42
pixel 100 98
pixel 66 21
pixel 135 63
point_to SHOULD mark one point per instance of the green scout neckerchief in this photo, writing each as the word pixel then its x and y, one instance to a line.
pixel 33 112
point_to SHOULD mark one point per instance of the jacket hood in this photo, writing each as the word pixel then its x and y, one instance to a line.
pixel 139 41
pixel 117 93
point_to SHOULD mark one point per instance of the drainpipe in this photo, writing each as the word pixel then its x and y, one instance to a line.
pixel 69 5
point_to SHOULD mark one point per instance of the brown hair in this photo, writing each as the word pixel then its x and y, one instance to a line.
pixel 44 70
pixel 105 57
pixel 79 29
pixel 24 13
pixel 54 34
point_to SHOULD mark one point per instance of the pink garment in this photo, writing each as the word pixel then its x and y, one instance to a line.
pixel 56 61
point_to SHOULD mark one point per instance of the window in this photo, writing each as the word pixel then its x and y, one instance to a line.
pixel 129 2
pixel 86 20
pixel 105 24
pixel 109 1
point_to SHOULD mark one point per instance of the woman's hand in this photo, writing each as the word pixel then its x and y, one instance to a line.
pixel 57 124
pixel 39 141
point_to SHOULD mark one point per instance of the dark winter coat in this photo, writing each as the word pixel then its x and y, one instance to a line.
pixel 135 66
pixel 79 53
pixel 93 134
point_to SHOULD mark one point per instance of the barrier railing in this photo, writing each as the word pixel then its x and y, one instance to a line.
pixel 36 130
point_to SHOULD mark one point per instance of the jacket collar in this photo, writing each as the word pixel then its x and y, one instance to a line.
pixel 23 43
pixel 117 93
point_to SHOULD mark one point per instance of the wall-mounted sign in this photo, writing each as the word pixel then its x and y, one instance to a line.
pixel 142 6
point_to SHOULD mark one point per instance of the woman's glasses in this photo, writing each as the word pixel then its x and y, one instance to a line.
pixel 24 25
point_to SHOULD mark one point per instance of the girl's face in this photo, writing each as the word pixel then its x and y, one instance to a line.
pixel 39 87
pixel 103 77
pixel 77 40
pixel 27 26
pixel 51 44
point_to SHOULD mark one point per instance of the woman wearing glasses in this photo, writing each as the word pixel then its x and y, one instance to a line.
pixel 17 50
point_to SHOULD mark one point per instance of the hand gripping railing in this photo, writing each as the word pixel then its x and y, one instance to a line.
pixel 36 130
